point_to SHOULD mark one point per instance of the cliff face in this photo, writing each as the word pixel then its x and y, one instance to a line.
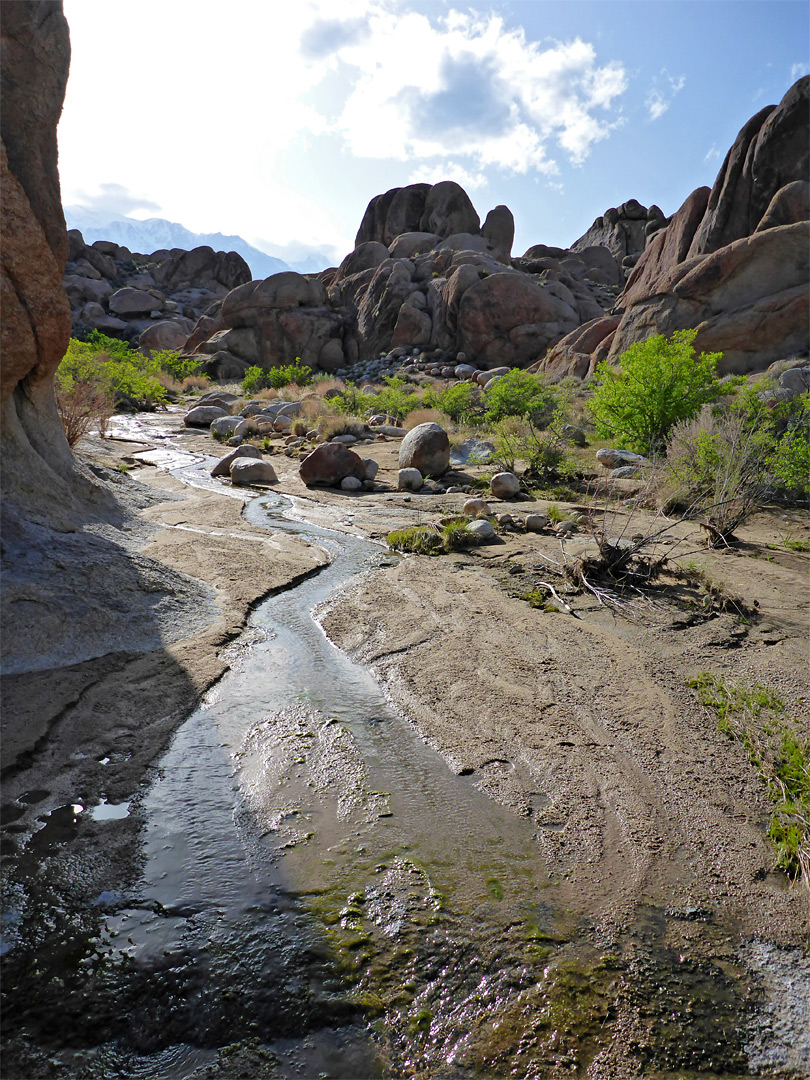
pixel 37 463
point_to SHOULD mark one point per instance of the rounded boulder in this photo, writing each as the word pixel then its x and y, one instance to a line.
pixel 504 485
pixel 426 448
pixel 330 463
pixel 248 471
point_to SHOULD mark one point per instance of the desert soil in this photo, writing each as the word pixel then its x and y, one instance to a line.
pixel 581 721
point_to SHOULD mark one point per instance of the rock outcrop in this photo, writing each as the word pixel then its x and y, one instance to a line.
pixel 38 466
pixel 732 263
pixel 149 300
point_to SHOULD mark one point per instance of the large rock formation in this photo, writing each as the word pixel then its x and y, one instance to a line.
pixel 732 262
pixel 152 300
pixel 37 463
pixel 423 275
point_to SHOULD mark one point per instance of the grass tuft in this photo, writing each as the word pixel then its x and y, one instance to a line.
pixel 754 716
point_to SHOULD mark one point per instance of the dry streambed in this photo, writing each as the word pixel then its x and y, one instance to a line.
pixel 586 890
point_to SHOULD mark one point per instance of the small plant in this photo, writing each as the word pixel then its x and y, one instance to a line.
pixel 753 716
pixel 342 425
pixel 418 540
pixel 449 535
pixel 397 398
pixel 796 545
pixel 658 382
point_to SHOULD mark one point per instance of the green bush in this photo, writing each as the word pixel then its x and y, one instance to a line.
pixel 397 398
pixel 179 367
pixel 125 373
pixel 659 382
pixel 519 393
pixel 460 401
pixel 257 378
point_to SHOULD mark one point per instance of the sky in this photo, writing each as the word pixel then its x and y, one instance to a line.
pixel 279 120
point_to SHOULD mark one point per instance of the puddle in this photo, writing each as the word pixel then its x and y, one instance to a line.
pixel 106 811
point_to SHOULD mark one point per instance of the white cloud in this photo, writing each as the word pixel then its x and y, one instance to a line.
pixel 662 92
pixel 467 86
pixel 448 170
pixel 797 70
pixel 714 153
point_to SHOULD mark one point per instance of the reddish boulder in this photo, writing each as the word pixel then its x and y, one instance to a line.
pixel 330 463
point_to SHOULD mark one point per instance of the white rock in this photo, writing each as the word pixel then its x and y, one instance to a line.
pixel 203 415
pixel 347 440
pixel 409 480
pixel 504 485
pixel 351 483
pixel 536 522
pixel 482 529
pixel 476 508
pixel 247 450
pixel 246 471
pixel 229 426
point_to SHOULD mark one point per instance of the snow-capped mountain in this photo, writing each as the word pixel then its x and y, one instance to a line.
pixel 156 233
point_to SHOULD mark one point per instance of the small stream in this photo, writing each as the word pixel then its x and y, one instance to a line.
pixel 300 832
pixel 322 897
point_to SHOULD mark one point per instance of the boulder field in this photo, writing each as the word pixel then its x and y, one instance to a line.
pixel 426 276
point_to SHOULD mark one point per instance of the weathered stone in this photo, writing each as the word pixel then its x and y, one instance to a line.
pixel 223 466
pixel 167 334
pixel 329 463
pixel 371 467
pixel 536 522
pixel 483 530
pixel 351 483
pixel 409 480
pixel 130 302
pixel 203 416
pixel 476 508
pixel 229 426
pixel 509 318
pixel 504 485
pixel 35 327
pixel 426 448
pixel 612 458
pixel 249 471
pixel 499 230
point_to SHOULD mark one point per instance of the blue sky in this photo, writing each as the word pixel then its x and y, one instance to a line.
pixel 278 121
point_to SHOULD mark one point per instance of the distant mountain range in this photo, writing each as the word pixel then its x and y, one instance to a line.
pixel 156 233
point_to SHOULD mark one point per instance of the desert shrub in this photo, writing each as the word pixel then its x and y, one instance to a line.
pixel 717 470
pixel 349 401
pixel 423 416
pixel 343 425
pixel 784 429
pixel 195 382
pixel 126 374
pixel 178 367
pixel 542 449
pixel 257 378
pixel 83 402
pixel 520 393
pixel 451 534
pixel 460 401
pixel 659 382
pixel 397 398
pixel 789 463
